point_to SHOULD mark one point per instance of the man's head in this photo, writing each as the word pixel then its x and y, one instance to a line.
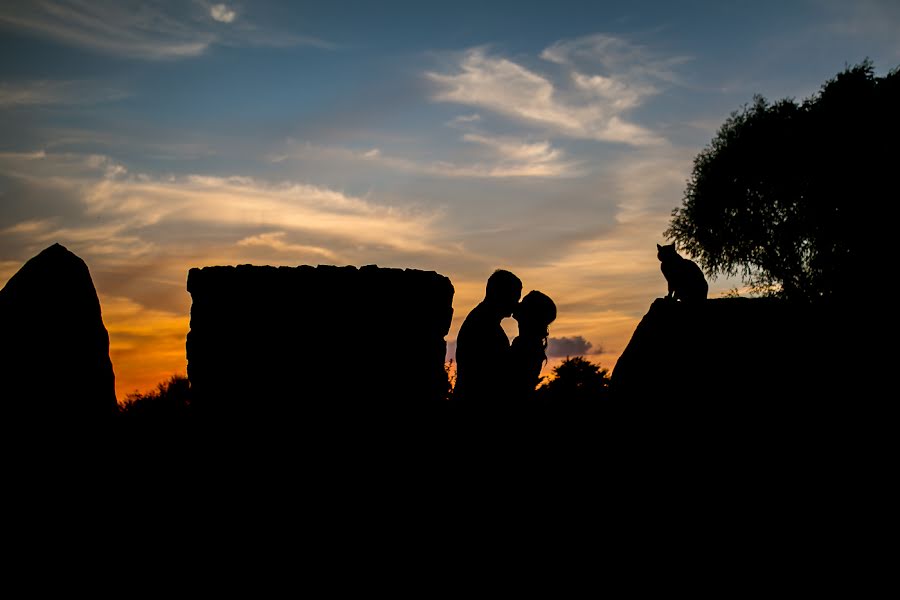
pixel 503 291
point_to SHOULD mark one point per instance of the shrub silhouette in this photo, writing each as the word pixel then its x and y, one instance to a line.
pixel 450 371
pixel 785 193
pixel 576 380
pixel 171 400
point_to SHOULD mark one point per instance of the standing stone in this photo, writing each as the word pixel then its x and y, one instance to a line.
pixel 54 348
pixel 729 353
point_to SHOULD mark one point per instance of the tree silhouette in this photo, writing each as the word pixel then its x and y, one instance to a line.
pixel 575 380
pixel 785 193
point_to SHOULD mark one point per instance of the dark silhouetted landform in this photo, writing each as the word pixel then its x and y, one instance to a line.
pixel 731 350
pixel 303 340
pixel 54 348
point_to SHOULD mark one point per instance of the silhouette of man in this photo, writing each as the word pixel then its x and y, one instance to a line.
pixel 482 348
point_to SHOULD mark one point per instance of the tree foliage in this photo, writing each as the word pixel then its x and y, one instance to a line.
pixel 785 193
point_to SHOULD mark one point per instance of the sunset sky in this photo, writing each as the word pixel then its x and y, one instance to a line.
pixel 552 139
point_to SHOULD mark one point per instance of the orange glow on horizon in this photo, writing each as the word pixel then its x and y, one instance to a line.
pixel 146 346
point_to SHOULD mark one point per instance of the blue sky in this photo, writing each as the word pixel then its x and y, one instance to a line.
pixel 552 139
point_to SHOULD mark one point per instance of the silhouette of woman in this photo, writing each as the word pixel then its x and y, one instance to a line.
pixel 528 351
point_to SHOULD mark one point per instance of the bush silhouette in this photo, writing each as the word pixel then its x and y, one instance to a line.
pixel 171 400
pixel 575 380
pixel 786 192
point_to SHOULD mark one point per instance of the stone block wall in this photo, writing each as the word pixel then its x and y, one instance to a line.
pixel 279 340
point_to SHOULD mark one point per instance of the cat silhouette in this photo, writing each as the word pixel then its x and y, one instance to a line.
pixel 685 278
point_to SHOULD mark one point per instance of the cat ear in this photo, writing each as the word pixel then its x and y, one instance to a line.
pixel 658 247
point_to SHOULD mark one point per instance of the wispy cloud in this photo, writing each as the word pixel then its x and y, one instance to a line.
pixel 123 28
pixel 20 156
pixel 464 120
pixel 630 65
pixel 240 202
pixel 648 187
pixel 129 204
pixel 518 158
pixel 146 30
pixel 30 226
pixel 222 13
pixel 500 158
pixel 584 104
pixel 47 93
pixel 876 21
pixel 275 240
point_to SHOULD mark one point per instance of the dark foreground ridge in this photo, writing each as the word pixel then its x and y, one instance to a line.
pixel 302 340
pixel 54 349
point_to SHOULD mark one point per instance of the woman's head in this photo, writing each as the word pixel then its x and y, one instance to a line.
pixel 535 313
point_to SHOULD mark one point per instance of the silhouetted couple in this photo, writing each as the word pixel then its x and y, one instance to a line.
pixel 489 371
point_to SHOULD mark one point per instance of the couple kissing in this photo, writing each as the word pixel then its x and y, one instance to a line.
pixel 489 370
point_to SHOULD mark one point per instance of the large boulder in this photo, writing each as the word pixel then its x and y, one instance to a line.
pixel 299 341
pixel 54 349
pixel 729 352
